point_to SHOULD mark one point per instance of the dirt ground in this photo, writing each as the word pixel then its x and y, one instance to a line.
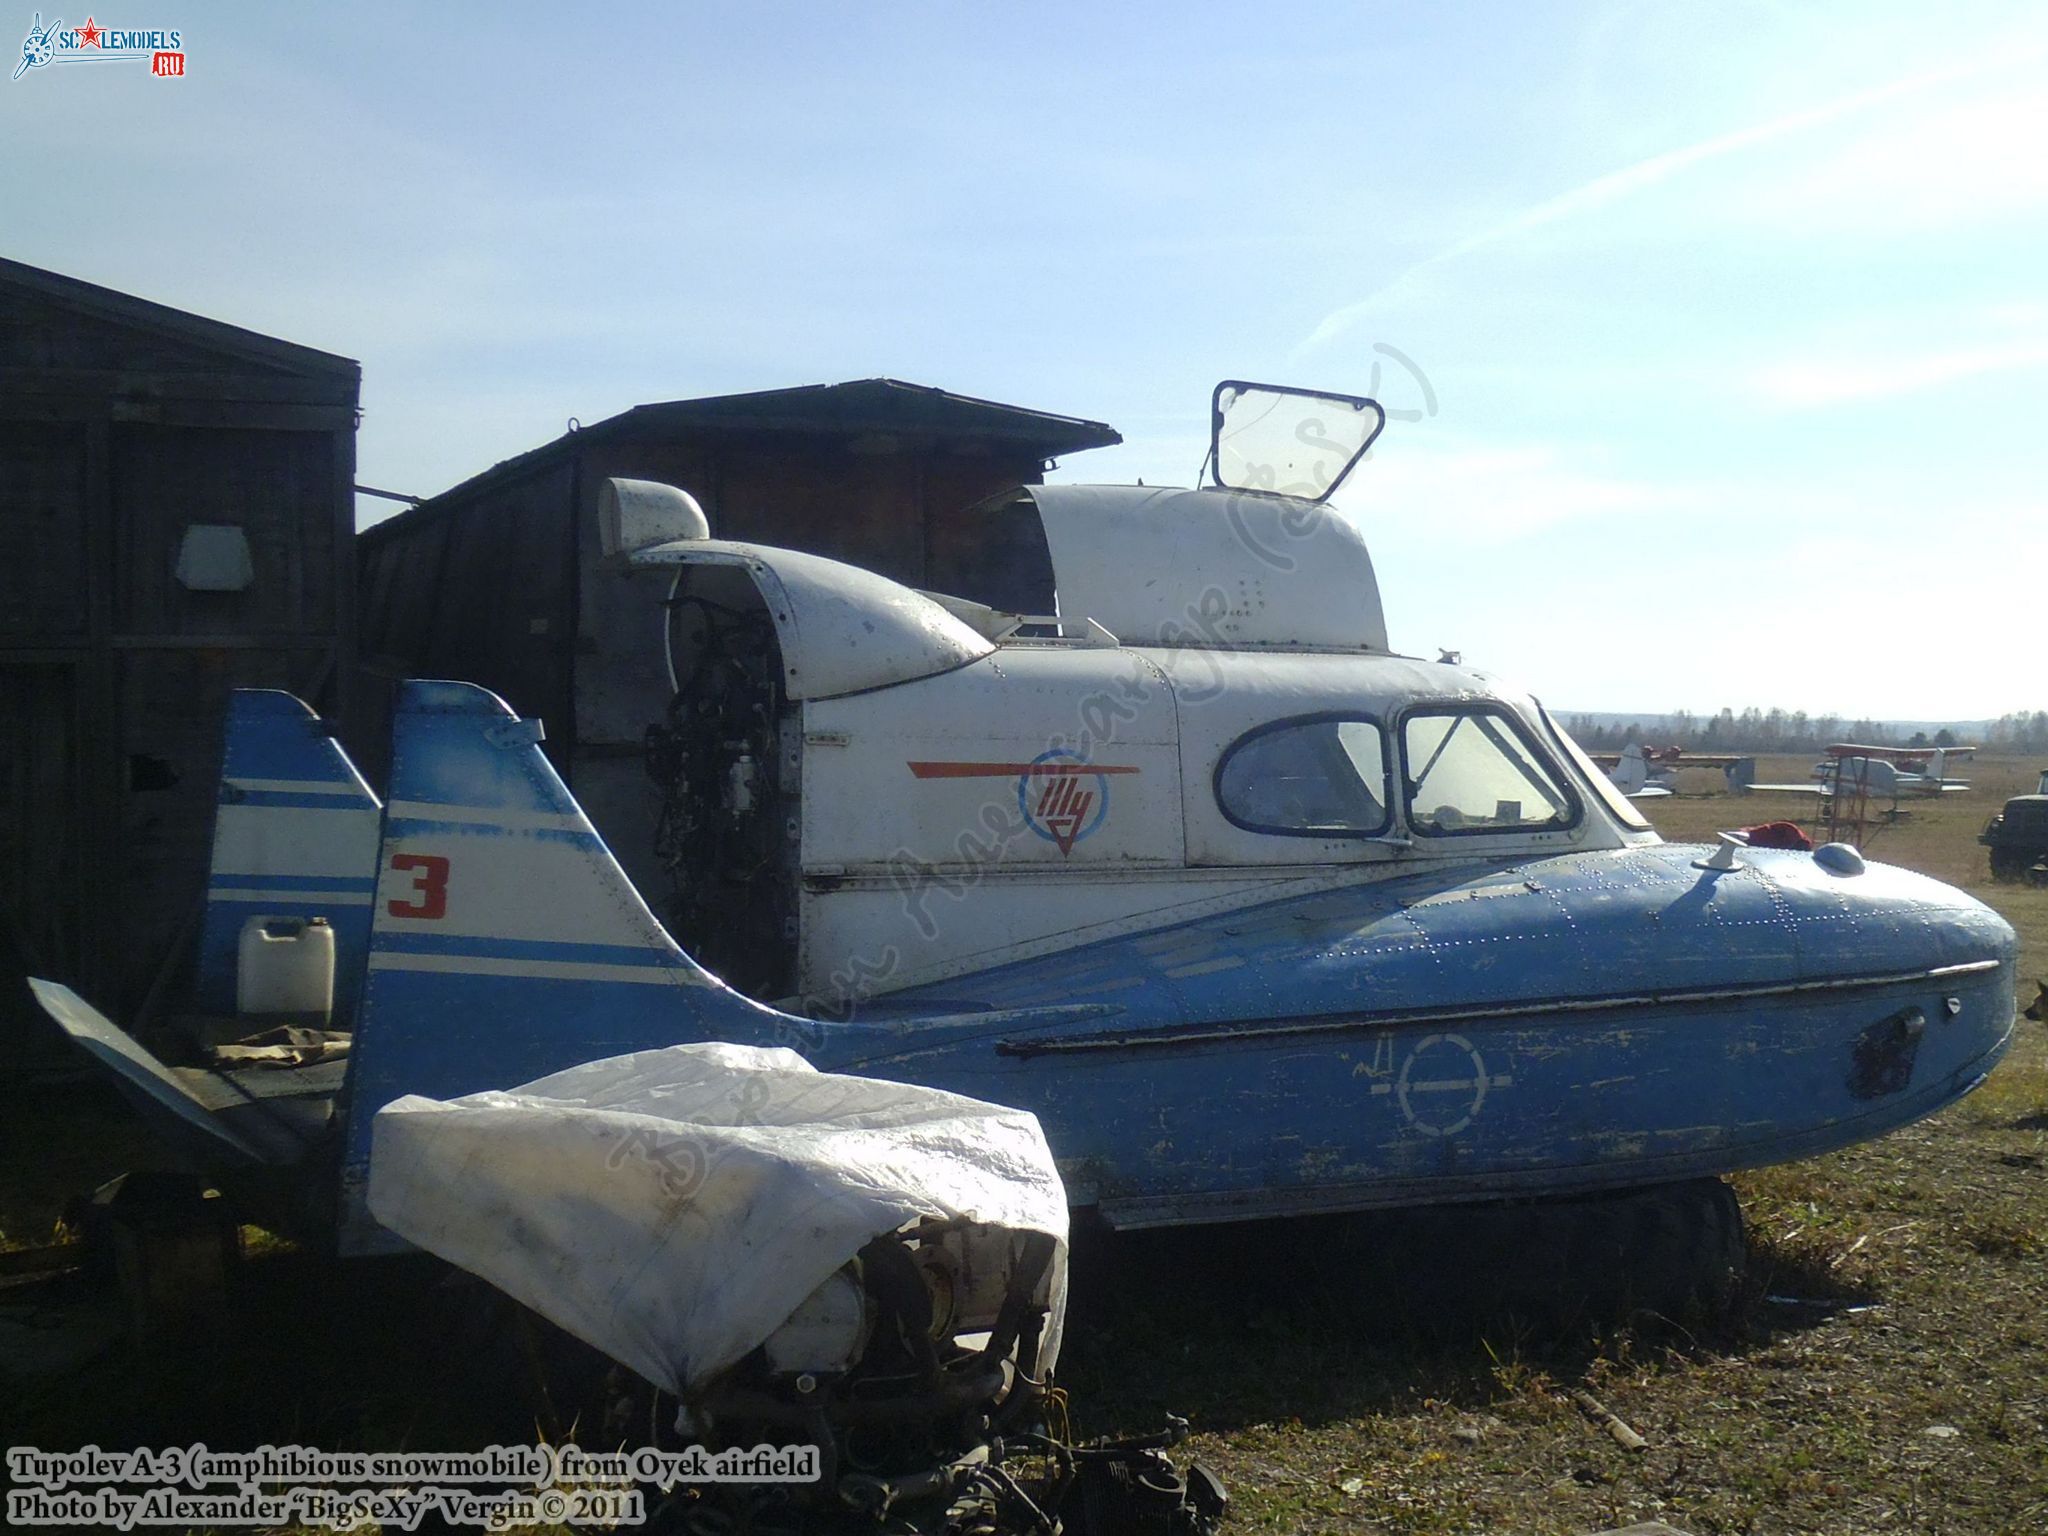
pixel 1887 1370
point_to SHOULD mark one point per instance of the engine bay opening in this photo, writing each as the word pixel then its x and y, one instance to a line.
pixel 725 760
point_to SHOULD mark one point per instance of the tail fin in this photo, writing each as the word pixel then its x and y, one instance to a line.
pixel 507 943
pixel 295 835
pixel 1740 774
pixel 1633 771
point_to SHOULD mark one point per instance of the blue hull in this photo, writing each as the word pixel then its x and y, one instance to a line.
pixel 1588 1021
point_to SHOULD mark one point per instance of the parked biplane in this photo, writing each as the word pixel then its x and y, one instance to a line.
pixel 1893 773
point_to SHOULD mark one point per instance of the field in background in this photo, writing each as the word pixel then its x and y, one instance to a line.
pixel 1899 1382
pixel 1888 1370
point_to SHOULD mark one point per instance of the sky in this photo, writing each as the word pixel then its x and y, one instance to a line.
pixel 1714 337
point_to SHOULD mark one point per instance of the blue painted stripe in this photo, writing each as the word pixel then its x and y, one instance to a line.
pixel 495 948
pixel 278 799
pixel 415 826
pixel 234 882
pixel 264 901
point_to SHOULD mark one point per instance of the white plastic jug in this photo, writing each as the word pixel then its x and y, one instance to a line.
pixel 285 965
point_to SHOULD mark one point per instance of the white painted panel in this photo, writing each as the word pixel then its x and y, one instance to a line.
pixel 531 886
pixel 1211 567
pixel 338 842
pixel 842 629
pixel 1051 756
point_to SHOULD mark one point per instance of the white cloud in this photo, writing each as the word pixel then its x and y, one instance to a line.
pixel 1809 382
pixel 1473 493
pixel 1900 350
pixel 1966 162
pixel 1980 153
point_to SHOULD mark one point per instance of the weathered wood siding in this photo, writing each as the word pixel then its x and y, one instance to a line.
pixel 481 589
pixel 121 424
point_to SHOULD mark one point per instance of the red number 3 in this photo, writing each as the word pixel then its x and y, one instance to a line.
pixel 429 883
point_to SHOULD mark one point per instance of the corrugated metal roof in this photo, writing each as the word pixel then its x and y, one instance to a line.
pixel 856 409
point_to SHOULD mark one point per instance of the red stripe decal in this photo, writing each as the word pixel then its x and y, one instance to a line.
pixel 1046 770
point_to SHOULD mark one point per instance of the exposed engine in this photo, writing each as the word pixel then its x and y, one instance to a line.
pixel 915 1370
pixel 726 762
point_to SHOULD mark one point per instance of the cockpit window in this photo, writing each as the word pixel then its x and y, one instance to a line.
pixel 1323 776
pixel 1472 770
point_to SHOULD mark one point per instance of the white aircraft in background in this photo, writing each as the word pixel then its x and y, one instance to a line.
pixel 1651 773
pixel 1635 777
pixel 1878 771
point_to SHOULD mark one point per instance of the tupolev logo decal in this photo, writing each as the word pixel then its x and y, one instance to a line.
pixel 1062 797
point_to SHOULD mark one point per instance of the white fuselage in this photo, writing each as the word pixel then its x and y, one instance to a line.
pixel 1049 795
pixel 954 788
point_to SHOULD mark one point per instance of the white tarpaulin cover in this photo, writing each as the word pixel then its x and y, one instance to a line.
pixel 673 1207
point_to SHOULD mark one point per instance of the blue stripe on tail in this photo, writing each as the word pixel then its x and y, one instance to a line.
pixel 295 835
pixel 506 942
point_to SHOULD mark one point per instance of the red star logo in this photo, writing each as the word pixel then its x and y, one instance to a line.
pixel 88 35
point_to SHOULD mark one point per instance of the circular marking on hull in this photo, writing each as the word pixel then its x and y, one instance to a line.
pixel 1066 806
pixel 1450 1087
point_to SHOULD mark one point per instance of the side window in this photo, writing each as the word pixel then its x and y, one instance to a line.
pixel 1474 771
pixel 1307 778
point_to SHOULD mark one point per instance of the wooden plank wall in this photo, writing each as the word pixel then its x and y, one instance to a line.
pixel 481 590
pixel 114 436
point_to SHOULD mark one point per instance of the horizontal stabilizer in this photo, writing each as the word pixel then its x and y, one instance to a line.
pixel 1632 775
pixel 147 1081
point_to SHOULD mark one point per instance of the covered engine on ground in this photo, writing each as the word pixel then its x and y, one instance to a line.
pixel 791 1258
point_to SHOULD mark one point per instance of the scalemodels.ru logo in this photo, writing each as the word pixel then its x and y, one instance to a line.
pixel 161 48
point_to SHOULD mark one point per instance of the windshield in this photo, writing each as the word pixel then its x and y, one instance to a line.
pixel 1624 809
pixel 1471 771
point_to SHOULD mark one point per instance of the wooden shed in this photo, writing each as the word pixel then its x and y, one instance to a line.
pixel 176 519
pixel 499 581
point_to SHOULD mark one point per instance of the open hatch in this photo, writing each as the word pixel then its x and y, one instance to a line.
pixel 1298 442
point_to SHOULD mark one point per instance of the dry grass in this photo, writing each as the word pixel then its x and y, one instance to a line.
pixel 1899 1384
pixel 1926 1250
